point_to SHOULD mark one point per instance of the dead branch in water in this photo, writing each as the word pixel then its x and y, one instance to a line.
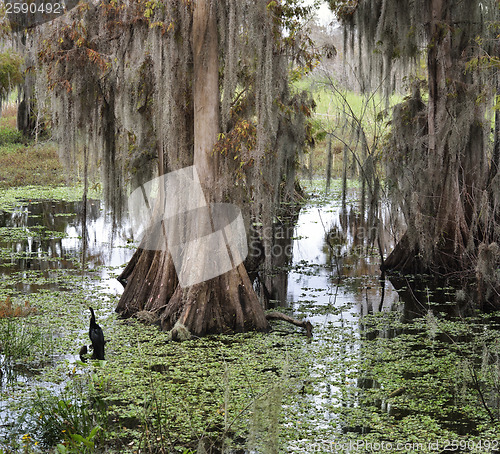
pixel 303 324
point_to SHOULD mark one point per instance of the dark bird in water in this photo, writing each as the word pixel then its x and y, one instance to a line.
pixel 96 337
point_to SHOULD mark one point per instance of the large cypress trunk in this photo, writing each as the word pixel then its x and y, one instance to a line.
pixel 226 303
pixel 441 216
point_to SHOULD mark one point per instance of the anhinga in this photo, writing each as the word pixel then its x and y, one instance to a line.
pixel 96 337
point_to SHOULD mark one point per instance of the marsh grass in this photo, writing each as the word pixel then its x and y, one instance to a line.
pixel 155 433
pixel 25 348
pixel 30 164
pixel 10 136
pixel 20 340
pixel 264 422
pixel 8 120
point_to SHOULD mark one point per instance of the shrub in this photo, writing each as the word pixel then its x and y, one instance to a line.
pixel 10 135
pixel 11 74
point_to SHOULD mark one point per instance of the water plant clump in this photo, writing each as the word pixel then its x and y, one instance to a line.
pixel 7 309
pixel 22 342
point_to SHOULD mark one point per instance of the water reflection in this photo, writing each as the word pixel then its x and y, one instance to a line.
pixel 46 236
pixel 335 261
pixel 333 282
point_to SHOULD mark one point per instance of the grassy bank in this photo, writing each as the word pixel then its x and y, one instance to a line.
pixel 24 162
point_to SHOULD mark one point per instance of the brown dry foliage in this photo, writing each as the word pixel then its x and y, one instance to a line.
pixel 7 310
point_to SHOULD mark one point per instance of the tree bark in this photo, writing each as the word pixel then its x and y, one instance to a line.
pixel 205 91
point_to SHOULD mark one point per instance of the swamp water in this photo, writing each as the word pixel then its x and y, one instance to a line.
pixel 423 372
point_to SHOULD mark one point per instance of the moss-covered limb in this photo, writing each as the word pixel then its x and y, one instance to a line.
pixel 99 50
